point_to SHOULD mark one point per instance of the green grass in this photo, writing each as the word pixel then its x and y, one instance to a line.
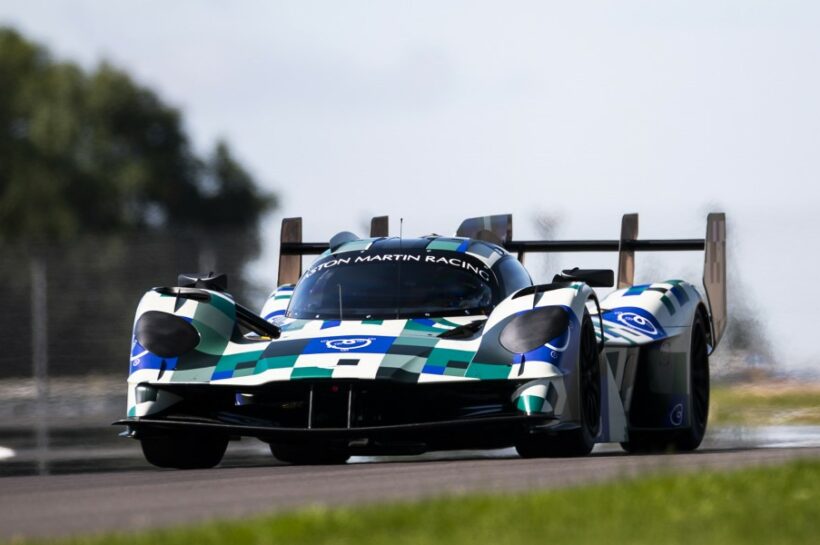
pixel 765 404
pixel 765 505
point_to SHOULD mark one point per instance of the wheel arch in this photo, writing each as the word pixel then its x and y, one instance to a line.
pixel 707 322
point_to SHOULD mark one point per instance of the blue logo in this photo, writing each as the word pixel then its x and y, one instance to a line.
pixel 676 415
pixel 344 345
pixel 636 320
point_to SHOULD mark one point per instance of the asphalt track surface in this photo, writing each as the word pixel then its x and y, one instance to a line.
pixel 130 495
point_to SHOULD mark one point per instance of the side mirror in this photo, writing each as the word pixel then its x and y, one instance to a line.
pixel 594 278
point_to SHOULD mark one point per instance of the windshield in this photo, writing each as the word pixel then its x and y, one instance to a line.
pixel 383 286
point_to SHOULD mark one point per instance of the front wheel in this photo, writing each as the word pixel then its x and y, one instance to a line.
pixel 577 442
pixel 184 451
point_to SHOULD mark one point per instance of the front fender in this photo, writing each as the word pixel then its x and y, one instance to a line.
pixel 572 295
pixel 213 316
pixel 556 356
pixel 553 365
pixel 277 303
pixel 649 313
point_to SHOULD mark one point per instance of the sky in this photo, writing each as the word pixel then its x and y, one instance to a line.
pixel 435 111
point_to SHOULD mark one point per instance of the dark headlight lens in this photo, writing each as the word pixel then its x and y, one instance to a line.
pixel 166 335
pixel 532 329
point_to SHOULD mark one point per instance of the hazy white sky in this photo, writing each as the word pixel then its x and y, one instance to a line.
pixel 437 110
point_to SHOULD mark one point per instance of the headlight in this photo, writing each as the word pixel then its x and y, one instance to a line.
pixel 166 335
pixel 534 328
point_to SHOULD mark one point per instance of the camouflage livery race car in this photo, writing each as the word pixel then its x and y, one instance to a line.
pixel 391 345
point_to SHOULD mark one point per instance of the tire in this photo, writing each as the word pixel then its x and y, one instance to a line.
pixel 688 439
pixel 309 455
pixel 184 451
pixel 577 442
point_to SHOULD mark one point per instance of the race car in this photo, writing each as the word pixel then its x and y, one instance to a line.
pixel 391 345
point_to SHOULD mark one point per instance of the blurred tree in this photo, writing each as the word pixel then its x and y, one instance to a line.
pixel 231 197
pixel 98 179
pixel 86 153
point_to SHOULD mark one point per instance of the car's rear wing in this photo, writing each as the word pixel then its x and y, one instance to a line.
pixel 499 229
pixel 291 247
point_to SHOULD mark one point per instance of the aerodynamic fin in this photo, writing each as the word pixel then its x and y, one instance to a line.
pixel 290 263
pixel 496 229
pixel 714 273
pixel 626 255
pixel 379 226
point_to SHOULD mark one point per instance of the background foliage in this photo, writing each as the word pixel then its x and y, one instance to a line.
pixel 96 152
pixel 99 181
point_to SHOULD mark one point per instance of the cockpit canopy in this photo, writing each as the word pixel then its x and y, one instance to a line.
pixel 410 283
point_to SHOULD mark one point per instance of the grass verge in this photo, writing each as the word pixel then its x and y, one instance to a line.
pixel 765 505
pixel 764 404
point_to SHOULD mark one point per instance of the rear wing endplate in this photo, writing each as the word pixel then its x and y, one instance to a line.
pixel 714 273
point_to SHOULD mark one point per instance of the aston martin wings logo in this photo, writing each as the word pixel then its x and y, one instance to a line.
pixel 344 345
pixel 636 321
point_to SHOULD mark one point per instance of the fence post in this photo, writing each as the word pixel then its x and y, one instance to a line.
pixel 39 356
